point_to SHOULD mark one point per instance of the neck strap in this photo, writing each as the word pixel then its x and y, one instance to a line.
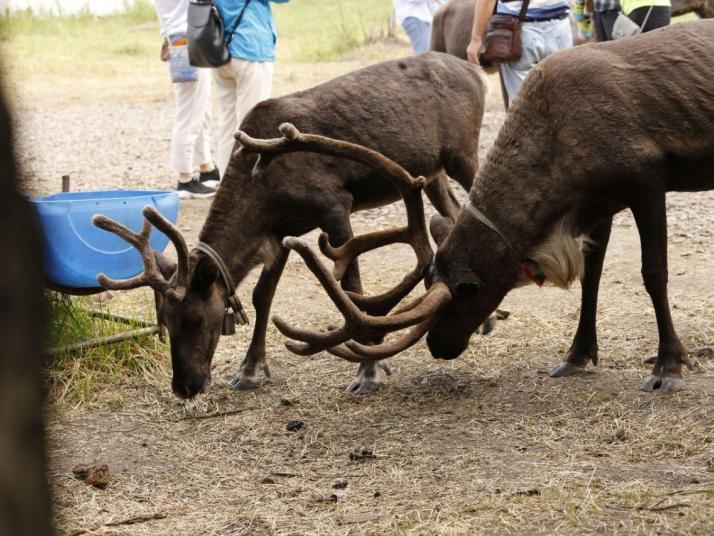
pixel 480 216
pixel 233 301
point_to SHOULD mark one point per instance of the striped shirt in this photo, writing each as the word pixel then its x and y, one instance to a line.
pixel 537 9
pixel 605 5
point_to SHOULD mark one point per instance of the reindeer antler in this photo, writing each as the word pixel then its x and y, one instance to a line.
pixel 175 289
pixel 414 233
pixel 357 309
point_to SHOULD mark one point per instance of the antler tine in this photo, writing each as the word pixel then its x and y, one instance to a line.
pixel 152 276
pixel 357 324
pixel 177 289
pixel 295 141
pixel 346 254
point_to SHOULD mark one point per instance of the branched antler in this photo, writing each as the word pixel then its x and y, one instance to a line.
pixel 175 288
pixel 359 311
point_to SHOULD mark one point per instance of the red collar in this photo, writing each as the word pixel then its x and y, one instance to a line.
pixel 537 278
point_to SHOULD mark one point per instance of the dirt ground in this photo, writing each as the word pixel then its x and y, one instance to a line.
pixel 487 443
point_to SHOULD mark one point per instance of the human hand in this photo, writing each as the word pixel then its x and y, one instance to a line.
pixel 474 51
pixel 165 50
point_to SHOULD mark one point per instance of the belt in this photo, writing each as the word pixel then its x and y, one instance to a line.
pixel 559 17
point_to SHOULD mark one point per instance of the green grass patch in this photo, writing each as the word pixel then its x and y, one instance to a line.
pixel 76 377
pixel 320 30
pixel 78 46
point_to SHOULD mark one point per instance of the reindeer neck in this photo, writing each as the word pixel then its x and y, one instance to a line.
pixel 525 194
pixel 237 229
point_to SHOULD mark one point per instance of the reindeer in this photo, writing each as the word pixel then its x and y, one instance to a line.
pixel 554 176
pixel 703 8
pixel 423 111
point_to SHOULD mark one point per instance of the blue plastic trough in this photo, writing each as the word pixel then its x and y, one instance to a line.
pixel 76 251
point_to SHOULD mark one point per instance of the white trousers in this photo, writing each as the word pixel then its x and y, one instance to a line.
pixel 191 138
pixel 240 85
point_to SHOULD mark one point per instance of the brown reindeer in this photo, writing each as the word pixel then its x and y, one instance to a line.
pixel 423 111
pixel 554 175
pixel 703 8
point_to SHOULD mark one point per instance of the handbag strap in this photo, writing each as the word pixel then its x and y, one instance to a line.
pixel 647 17
pixel 524 10
pixel 235 26
pixel 521 15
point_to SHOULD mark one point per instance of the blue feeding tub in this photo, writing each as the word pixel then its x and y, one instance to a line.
pixel 76 251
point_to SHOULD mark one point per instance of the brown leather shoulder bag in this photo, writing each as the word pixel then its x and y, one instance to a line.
pixel 503 36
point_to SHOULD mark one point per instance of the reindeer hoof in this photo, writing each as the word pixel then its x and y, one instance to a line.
pixel 244 383
pixel 565 369
pixel 666 385
pixel 362 386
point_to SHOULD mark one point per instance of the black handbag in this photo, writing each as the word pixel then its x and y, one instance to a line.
pixel 207 46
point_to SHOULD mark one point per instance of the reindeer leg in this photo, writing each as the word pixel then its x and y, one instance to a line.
pixel 442 197
pixel 651 218
pixel 584 346
pixel 262 300
pixel 367 380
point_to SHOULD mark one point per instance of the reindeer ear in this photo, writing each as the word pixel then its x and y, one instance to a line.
pixel 167 267
pixel 205 274
pixel 440 227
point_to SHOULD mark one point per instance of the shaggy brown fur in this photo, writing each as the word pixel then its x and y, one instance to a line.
pixel 594 130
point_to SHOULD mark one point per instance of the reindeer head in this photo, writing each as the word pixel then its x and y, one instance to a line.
pixel 478 269
pixel 191 299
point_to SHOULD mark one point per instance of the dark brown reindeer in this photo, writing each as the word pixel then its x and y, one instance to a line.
pixel 423 111
pixel 556 174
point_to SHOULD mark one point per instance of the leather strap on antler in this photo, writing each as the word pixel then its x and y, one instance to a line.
pixel 233 302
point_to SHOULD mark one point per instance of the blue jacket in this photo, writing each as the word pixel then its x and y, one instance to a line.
pixel 255 39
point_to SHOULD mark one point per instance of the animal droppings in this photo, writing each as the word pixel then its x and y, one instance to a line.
pixel 92 474
pixel 294 426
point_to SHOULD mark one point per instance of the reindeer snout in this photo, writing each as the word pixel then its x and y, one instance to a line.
pixel 190 388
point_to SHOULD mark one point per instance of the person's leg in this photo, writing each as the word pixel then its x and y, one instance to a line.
pixel 187 128
pixel 255 84
pixel 557 35
pixel 202 148
pixel 599 26
pixel 513 73
pixel 608 21
pixel 226 84
pixel 419 33
pixel 182 136
pixel 660 17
